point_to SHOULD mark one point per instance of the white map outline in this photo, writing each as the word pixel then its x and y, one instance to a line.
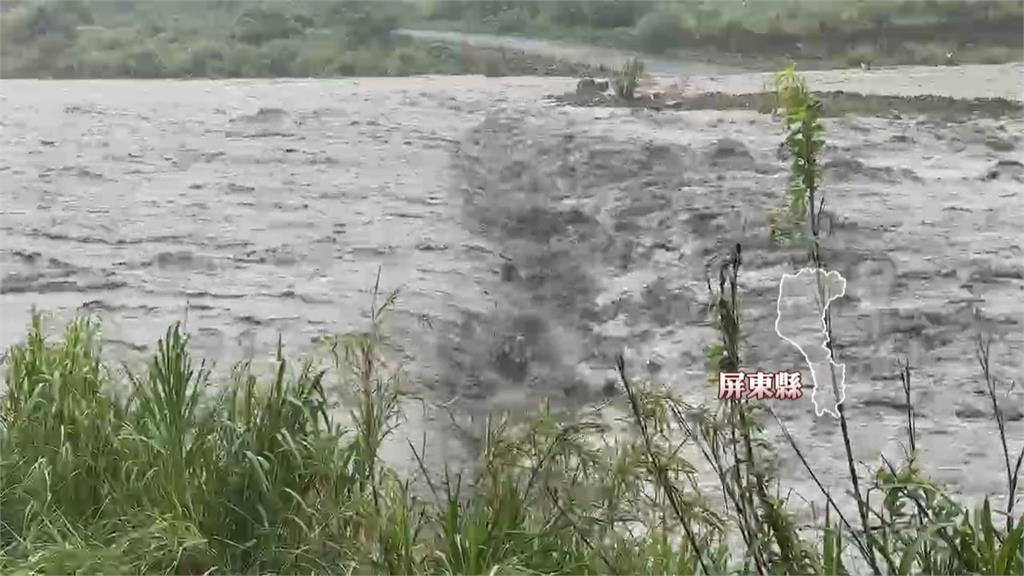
pixel 841 387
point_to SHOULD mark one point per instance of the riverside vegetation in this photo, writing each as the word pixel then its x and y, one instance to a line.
pixel 234 39
pixel 308 38
pixel 830 34
pixel 110 471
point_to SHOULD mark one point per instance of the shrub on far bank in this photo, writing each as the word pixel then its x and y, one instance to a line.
pixel 660 31
pixel 32 21
pixel 627 78
pixel 259 25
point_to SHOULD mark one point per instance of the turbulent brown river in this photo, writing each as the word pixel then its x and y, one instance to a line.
pixel 531 242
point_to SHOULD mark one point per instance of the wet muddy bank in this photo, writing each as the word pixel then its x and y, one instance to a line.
pixel 834 103
pixel 501 61
pixel 721 73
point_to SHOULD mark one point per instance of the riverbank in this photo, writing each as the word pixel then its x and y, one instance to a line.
pixel 131 39
pixel 98 40
pixel 257 477
pixel 539 396
pixel 1005 81
pixel 761 34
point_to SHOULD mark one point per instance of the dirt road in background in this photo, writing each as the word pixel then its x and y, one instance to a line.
pixel 969 81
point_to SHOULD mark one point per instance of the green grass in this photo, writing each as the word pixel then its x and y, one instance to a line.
pixel 308 38
pixel 107 471
pixel 164 472
pixel 233 39
pixel 627 78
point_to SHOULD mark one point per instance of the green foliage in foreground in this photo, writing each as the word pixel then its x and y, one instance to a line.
pixel 177 476
pixel 804 141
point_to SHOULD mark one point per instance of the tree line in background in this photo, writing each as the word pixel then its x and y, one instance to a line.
pixel 254 38
pixel 222 38
pixel 844 32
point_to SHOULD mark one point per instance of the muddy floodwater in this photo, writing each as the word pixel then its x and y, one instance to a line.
pixel 539 241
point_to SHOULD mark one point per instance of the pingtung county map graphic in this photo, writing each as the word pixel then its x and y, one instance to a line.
pixel 804 299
